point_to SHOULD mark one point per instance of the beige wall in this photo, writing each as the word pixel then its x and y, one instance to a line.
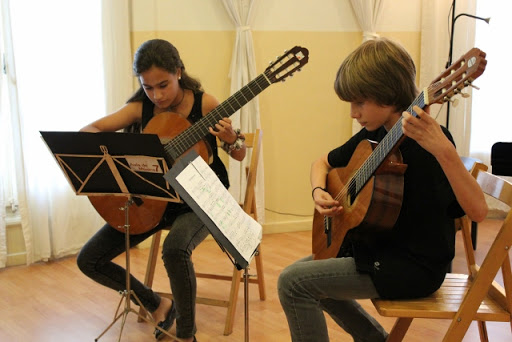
pixel 302 118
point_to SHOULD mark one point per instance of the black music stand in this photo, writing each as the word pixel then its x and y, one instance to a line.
pixel 237 234
pixel 120 164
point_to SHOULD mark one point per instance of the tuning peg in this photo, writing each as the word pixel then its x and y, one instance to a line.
pixel 467 83
pixel 454 102
pixel 464 95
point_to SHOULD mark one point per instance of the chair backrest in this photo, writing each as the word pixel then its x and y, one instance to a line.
pixel 470 162
pixel 497 257
pixel 501 158
pixel 253 143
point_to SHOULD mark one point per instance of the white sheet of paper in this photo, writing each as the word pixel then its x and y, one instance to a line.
pixel 201 183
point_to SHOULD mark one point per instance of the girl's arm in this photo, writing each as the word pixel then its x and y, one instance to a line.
pixel 125 116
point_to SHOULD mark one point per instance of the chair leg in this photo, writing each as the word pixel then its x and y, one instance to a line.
pixel 474 230
pixel 401 326
pixel 482 329
pixel 235 288
pixel 259 271
pixel 233 298
pixel 236 279
pixel 150 268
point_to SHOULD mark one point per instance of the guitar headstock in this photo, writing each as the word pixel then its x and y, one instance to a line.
pixel 292 60
pixel 458 76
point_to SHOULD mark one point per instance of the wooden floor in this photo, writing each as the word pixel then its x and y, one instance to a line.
pixel 53 301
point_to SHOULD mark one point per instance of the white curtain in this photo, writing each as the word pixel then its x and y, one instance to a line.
pixel 3 238
pixel 242 71
pixel 117 53
pixel 60 84
pixel 7 83
pixel 367 13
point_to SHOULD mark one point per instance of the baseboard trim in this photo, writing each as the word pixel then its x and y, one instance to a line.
pixel 287 226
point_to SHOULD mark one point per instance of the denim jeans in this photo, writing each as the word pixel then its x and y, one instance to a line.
pixel 308 287
pixel 186 232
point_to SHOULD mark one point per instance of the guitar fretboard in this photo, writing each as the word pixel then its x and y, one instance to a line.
pixel 381 151
pixel 188 138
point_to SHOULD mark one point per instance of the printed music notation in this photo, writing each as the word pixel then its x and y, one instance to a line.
pixel 199 180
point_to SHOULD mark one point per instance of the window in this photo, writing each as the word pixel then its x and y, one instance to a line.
pixel 491 118
pixel 7 171
pixel 58 55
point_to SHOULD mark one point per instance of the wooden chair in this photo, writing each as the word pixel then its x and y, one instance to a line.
pixel 253 142
pixel 469 163
pixel 464 298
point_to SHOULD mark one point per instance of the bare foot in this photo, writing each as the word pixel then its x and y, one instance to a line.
pixel 161 312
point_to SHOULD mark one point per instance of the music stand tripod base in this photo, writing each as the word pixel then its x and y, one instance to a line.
pixel 126 294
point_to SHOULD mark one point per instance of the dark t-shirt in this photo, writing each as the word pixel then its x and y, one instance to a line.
pixel 412 258
pixel 174 209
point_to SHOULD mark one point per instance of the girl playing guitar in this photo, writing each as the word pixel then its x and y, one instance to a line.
pixel 165 87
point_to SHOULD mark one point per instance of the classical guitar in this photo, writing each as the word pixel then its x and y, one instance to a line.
pixel 179 136
pixel 370 187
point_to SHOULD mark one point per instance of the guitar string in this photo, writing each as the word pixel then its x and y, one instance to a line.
pixel 262 85
pixel 182 139
pixel 182 142
pixel 186 139
pixel 369 166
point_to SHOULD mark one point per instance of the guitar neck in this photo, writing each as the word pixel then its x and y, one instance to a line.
pixel 188 138
pixel 382 150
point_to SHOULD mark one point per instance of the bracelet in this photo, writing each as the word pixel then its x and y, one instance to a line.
pixel 237 145
pixel 317 187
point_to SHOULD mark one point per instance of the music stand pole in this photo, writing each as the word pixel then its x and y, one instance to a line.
pixel 127 293
pixel 246 303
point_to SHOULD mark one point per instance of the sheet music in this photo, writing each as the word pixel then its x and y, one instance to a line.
pixel 199 180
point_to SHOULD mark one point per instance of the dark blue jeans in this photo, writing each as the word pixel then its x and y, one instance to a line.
pixel 186 233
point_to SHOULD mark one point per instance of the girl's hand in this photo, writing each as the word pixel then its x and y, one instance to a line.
pixel 224 131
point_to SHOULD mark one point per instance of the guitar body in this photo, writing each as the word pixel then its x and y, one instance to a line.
pixel 146 213
pixel 375 208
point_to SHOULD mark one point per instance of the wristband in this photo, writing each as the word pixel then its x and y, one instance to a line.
pixel 317 187
pixel 237 145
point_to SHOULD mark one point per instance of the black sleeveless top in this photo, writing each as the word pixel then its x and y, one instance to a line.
pixel 194 116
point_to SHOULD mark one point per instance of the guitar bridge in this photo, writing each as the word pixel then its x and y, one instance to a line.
pixel 327 229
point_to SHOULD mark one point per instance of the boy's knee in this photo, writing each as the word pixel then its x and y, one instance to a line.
pixel 285 282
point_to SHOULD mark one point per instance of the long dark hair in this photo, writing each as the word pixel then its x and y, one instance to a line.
pixel 164 55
